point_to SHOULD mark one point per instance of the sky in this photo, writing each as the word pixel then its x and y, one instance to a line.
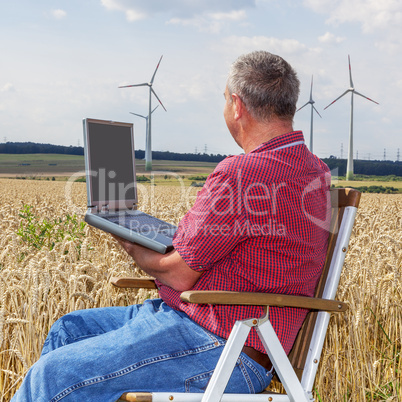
pixel 63 61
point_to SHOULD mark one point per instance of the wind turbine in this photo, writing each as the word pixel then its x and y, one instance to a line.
pixel 349 167
pixel 148 149
pixel 146 119
pixel 311 102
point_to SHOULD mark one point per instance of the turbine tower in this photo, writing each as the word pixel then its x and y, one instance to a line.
pixel 148 150
pixel 311 102
pixel 146 119
pixel 349 167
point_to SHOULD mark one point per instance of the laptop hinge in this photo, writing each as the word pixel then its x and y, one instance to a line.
pixel 94 209
pixel 104 209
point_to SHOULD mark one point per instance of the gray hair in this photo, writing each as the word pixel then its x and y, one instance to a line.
pixel 266 84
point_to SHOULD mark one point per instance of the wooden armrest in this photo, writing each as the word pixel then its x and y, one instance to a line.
pixel 261 299
pixel 136 397
pixel 145 283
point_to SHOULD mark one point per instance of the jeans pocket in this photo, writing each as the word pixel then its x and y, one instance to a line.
pixel 199 382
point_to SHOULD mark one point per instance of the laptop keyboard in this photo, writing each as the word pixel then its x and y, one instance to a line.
pixel 142 223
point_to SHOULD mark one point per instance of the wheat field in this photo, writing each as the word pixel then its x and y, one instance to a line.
pixel 51 265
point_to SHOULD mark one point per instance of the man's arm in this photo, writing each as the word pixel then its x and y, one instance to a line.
pixel 170 268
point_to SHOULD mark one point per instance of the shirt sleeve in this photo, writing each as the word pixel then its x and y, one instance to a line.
pixel 207 233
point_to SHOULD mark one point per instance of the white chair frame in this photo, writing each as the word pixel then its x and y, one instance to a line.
pixel 296 390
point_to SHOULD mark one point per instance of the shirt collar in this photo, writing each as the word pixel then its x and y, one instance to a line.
pixel 280 141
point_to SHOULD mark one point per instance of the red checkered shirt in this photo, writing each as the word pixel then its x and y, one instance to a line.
pixel 260 224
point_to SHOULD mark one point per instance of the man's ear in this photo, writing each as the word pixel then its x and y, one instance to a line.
pixel 238 106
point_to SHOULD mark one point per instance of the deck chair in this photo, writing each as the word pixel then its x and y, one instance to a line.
pixel 297 370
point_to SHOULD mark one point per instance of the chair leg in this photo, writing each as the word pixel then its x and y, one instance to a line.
pixel 281 363
pixel 227 361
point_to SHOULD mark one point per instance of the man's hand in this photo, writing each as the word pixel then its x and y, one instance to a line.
pixel 170 268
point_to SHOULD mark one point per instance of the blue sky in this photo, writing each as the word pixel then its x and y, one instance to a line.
pixel 63 60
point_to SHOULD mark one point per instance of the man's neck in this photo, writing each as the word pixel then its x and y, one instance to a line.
pixel 259 133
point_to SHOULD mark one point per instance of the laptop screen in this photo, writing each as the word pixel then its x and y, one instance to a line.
pixel 109 154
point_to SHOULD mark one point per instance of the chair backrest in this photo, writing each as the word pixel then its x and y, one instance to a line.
pixel 307 348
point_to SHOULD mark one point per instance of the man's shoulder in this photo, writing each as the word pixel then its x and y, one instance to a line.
pixel 229 164
pixel 321 165
pixel 251 166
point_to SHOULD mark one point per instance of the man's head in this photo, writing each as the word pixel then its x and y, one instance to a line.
pixel 266 84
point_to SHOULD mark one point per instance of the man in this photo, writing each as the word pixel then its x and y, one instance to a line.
pixel 252 228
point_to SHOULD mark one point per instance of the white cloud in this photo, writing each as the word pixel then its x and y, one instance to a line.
pixel 201 23
pixel 319 6
pixel 371 14
pixel 329 38
pixel 182 11
pixel 399 84
pixel 59 14
pixel 210 22
pixel 235 15
pixel 390 46
pixel 243 44
pixel 8 87
pixel 131 13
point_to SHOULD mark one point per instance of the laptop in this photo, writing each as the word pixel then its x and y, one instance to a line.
pixel 112 188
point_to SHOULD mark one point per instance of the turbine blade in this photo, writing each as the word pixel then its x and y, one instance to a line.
pixel 156 69
pixel 139 115
pixel 302 106
pixel 156 107
pixel 135 85
pixel 339 97
pixel 357 93
pixel 316 110
pixel 158 99
pixel 311 90
pixel 350 73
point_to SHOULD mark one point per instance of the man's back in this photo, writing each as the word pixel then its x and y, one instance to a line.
pixel 251 230
pixel 259 224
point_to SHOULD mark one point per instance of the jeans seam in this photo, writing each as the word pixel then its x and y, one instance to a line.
pixel 129 369
pixel 67 340
pixel 252 367
pixel 212 336
pixel 79 338
pixel 246 376
pixel 205 374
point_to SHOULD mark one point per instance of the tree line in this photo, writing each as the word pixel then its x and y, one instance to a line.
pixel 363 167
pixel 175 156
pixel 36 148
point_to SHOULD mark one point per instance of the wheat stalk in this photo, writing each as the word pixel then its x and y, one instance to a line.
pixel 361 357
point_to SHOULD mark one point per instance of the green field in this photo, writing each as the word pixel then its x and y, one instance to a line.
pixel 61 166
pixel 391 183
pixel 374 182
pixel 178 167
pixel 29 165
pixel 39 164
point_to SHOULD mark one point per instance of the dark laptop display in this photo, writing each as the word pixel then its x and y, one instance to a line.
pixel 112 189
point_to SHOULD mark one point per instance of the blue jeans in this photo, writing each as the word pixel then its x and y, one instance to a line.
pixel 98 354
